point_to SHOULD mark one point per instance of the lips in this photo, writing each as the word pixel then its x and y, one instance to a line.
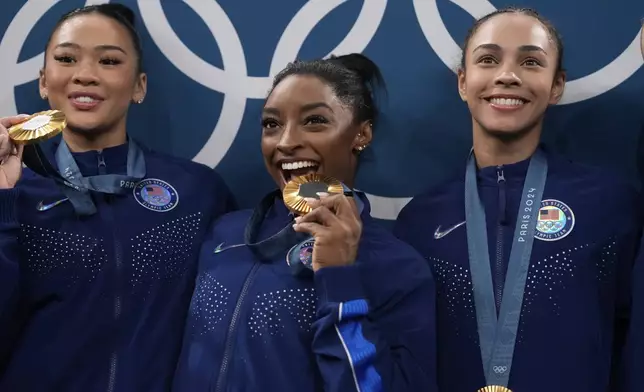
pixel 506 102
pixel 85 100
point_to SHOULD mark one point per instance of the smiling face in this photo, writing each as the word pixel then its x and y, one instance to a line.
pixel 91 73
pixel 308 129
pixel 510 75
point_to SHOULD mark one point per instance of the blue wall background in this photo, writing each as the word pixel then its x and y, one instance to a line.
pixel 209 65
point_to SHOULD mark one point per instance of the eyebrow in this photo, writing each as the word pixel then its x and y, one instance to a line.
pixel 97 48
pixel 305 108
pixel 522 48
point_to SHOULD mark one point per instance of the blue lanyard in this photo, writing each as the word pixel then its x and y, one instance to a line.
pixel 74 185
pixel 497 337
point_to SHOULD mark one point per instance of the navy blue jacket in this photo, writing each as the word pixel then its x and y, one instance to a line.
pixel 577 285
pixel 98 303
pixel 253 326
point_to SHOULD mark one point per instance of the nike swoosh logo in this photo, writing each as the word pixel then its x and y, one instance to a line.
pixel 438 234
pixel 220 248
pixel 44 207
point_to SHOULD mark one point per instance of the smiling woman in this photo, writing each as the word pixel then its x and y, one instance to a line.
pixel 531 282
pixel 332 298
pixel 76 257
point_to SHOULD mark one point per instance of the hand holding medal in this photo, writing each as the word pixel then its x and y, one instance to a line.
pixel 327 213
pixel 16 132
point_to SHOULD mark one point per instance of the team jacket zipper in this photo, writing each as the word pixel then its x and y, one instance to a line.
pixel 232 330
pixel 501 221
pixel 118 259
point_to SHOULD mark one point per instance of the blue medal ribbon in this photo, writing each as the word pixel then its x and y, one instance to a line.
pixel 275 244
pixel 76 187
pixel 497 336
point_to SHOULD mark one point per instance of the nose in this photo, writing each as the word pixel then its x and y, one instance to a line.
pixel 290 140
pixel 86 75
pixel 508 78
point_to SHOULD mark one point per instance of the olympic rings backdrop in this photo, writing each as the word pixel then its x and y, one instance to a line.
pixel 209 65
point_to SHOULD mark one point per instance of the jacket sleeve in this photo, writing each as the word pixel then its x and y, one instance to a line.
pixel 9 269
pixel 375 327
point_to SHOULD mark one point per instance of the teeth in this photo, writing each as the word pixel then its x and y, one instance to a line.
pixel 507 101
pixel 297 165
pixel 85 99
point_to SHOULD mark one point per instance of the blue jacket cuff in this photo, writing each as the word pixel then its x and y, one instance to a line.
pixel 339 284
pixel 8 205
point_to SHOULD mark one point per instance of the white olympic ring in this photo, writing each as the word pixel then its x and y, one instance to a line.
pixel 589 86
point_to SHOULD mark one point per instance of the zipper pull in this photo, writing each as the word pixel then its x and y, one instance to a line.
pixel 500 179
pixel 101 164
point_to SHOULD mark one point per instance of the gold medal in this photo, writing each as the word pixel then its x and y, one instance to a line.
pixel 306 186
pixel 494 388
pixel 38 127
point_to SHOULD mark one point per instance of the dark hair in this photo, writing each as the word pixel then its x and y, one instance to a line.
pixel 550 28
pixel 354 79
pixel 118 12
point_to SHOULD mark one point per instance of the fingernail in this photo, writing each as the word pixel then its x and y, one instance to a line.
pixel 322 194
pixel 298 219
pixel 309 200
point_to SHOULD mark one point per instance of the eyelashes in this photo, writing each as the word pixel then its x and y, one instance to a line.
pixel 311 120
pixel 63 59
pixel 316 119
pixel 67 59
pixel 529 62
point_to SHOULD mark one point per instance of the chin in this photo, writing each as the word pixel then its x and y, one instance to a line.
pixel 507 130
pixel 85 126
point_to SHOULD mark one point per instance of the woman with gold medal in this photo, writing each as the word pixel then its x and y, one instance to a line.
pixel 99 237
pixel 306 292
pixel 532 253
